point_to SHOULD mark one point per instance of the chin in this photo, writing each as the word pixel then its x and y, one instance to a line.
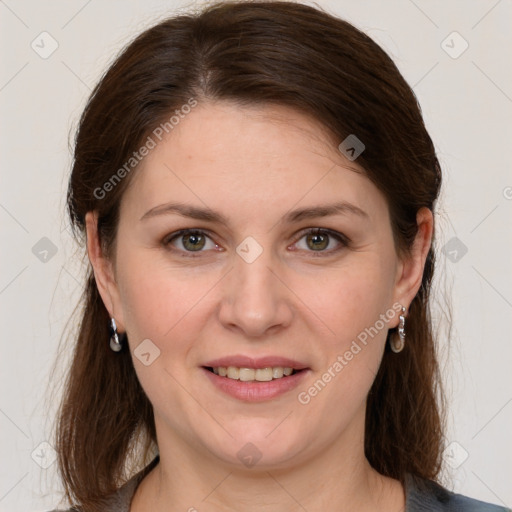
pixel 261 448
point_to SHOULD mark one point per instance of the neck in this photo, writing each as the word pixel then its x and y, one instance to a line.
pixel 338 478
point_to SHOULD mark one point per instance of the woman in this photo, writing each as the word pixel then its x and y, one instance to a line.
pixel 256 191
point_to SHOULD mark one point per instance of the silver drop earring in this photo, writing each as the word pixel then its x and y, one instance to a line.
pixel 397 342
pixel 115 343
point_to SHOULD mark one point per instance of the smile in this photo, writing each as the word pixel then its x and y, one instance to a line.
pixel 254 385
pixel 253 374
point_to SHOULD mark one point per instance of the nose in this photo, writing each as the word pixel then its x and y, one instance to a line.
pixel 255 299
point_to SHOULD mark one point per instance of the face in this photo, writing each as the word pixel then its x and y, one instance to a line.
pixel 261 286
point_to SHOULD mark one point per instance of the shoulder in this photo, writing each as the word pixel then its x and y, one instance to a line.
pixel 425 495
pixel 120 501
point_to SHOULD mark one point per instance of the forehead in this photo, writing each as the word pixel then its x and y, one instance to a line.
pixel 224 155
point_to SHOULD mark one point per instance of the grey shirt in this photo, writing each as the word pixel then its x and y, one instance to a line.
pixel 420 496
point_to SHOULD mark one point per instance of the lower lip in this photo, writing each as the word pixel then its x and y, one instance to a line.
pixel 255 391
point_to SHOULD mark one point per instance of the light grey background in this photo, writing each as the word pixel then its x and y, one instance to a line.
pixel 467 103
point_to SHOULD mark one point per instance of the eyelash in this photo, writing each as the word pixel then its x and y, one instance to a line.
pixel 344 241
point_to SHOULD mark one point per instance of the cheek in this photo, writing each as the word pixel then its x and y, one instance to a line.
pixel 146 305
pixel 351 300
pixel 163 302
pixel 351 306
pixel 166 307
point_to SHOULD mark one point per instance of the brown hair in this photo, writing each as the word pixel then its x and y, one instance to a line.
pixel 250 53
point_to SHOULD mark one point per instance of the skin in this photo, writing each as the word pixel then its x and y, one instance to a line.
pixel 253 165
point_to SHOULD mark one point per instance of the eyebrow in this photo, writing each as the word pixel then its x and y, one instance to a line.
pixel 206 214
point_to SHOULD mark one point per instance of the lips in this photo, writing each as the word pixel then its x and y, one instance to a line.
pixel 241 361
pixel 289 373
pixel 254 391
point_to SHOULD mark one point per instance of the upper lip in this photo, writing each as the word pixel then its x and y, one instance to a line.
pixel 241 361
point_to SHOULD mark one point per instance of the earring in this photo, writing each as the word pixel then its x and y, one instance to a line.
pixel 115 343
pixel 397 345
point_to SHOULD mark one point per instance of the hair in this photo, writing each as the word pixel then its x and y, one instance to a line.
pixel 250 53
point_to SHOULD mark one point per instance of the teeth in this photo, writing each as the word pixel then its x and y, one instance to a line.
pixel 250 374
pixel 277 372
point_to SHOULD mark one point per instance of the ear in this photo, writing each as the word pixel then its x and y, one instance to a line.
pixel 103 271
pixel 410 268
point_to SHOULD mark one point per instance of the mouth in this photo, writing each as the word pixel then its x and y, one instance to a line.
pixel 257 384
pixel 255 379
pixel 243 374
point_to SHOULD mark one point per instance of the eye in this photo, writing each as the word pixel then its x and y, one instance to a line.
pixel 190 240
pixel 317 240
